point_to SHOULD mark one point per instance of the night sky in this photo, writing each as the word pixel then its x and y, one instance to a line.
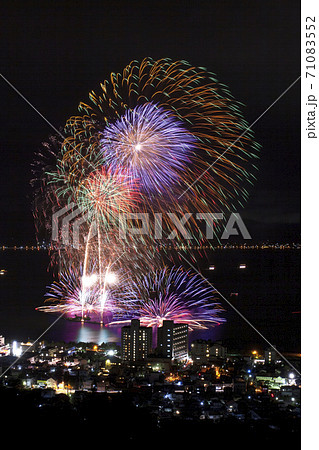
pixel 55 53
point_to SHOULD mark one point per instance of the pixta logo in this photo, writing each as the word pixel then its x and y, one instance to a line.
pixel 68 222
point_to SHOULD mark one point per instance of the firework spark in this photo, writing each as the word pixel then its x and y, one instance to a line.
pixel 104 196
pixel 178 295
pixel 149 145
pixel 86 296
pixel 186 120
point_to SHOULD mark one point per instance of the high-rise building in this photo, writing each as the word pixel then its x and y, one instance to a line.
pixel 217 350
pixel 270 355
pixel 203 351
pixel 172 340
pixel 200 350
pixel 136 341
pixel 180 341
pixel 165 339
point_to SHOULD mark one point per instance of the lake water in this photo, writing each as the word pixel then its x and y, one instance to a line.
pixel 268 296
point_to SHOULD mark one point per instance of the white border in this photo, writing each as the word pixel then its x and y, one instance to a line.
pixel 309 239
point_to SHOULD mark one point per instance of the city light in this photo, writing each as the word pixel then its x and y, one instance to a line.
pixel 16 350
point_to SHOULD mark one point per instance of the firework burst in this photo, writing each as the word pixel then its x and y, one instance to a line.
pixel 178 295
pixel 149 145
pixel 104 196
pixel 204 126
pixel 103 297
pixel 162 136
pixel 173 129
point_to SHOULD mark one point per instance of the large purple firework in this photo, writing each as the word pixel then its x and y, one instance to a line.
pixel 178 295
pixel 150 145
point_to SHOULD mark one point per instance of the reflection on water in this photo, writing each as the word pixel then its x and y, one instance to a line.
pixel 95 333
pixel 68 331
